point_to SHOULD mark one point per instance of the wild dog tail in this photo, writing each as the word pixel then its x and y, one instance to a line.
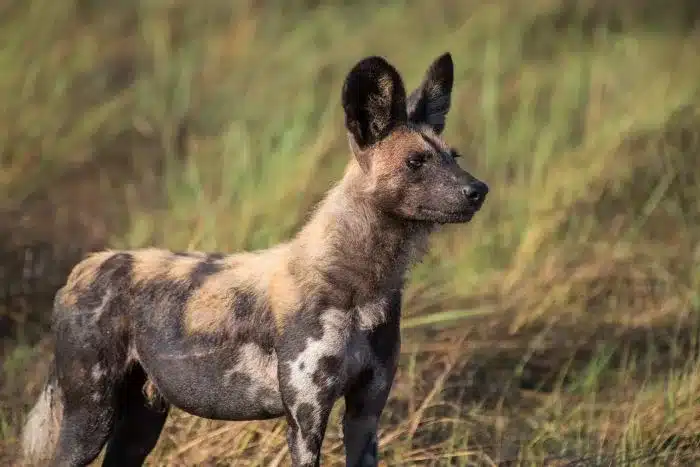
pixel 40 433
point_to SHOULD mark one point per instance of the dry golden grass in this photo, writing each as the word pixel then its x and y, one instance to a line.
pixel 562 324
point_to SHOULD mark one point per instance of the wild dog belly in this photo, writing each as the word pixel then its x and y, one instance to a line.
pixel 226 382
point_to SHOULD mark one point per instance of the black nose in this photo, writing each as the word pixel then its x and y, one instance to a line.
pixel 476 192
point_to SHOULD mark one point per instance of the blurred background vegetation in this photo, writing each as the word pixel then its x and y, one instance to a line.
pixel 560 327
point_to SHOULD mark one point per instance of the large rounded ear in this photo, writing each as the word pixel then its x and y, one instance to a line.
pixel 374 100
pixel 430 102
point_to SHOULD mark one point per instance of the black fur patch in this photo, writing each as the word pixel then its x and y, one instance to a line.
pixel 93 332
pixel 113 273
pixel 384 339
pixel 328 367
pixel 186 254
pixel 305 417
pixel 313 442
pixel 430 102
pixel 203 270
pixel 374 100
pixel 251 323
pixel 290 394
pixel 300 326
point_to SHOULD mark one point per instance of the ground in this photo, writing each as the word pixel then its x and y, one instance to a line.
pixel 561 324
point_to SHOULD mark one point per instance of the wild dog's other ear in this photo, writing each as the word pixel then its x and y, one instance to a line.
pixel 430 102
pixel 374 100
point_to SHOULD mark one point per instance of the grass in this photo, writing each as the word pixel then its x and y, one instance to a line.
pixel 562 323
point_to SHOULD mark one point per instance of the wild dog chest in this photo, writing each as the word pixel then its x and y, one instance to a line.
pixel 327 354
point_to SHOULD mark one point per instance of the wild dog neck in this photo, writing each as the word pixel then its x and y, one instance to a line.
pixel 352 243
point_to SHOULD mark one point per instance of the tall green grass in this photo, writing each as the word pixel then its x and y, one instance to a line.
pixel 587 136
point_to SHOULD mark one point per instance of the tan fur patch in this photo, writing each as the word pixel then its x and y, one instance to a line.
pixel 284 295
pixel 386 86
pixel 244 273
pixel 206 310
pixel 150 263
pixel 391 152
pixel 379 105
pixel 154 400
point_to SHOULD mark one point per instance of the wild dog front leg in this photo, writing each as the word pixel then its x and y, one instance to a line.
pixel 305 432
pixel 364 403
pixel 311 375
pixel 367 393
pixel 308 392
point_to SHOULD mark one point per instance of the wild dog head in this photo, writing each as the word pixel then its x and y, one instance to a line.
pixel 408 170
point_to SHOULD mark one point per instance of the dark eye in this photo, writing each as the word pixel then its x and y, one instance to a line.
pixel 415 161
pixel 455 154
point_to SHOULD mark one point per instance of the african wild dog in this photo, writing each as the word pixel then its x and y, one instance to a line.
pixel 257 335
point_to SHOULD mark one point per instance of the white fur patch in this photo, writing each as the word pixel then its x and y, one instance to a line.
pixel 262 370
pixel 345 337
pixel 97 312
pixel 97 372
pixel 40 434
pixel 336 327
pixel 372 315
pixel 332 343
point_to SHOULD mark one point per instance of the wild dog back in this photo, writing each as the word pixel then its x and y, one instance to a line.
pixel 200 324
